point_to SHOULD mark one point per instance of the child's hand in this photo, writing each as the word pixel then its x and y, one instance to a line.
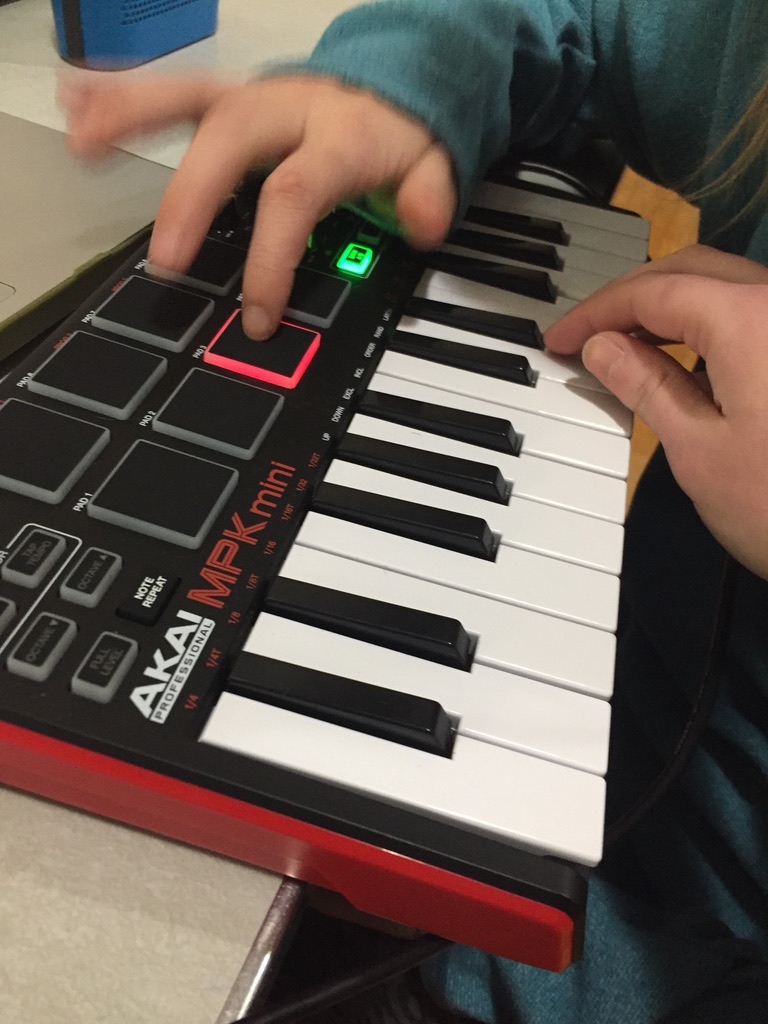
pixel 327 143
pixel 714 430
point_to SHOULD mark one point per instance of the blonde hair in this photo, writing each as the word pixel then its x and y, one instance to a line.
pixel 750 132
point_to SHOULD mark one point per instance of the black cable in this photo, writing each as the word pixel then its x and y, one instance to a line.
pixel 705 697
pixel 323 997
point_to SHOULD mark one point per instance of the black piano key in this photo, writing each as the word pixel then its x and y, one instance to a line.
pixel 374 710
pixel 504 365
pixel 469 535
pixel 517 223
pixel 407 630
pixel 536 284
pixel 462 475
pixel 490 432
pixel 481 321
pixel 538 254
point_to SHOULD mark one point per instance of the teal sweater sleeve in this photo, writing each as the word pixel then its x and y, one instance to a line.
pixel 664 79
pixel 451 63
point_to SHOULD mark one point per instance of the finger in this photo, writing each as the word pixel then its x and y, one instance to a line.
pixel 701 260
pixel 676 307
pixel 100 114
pixel 706 261
pixel 426 199
pixel 654 386
pixel 302 190
pixel 216 160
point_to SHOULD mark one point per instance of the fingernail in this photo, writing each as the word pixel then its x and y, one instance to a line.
pixel 256 323
pixel 601 353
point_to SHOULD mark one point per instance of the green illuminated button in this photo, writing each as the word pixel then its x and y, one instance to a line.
pixel 355 259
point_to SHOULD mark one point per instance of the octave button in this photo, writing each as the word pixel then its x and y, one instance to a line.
pixel 42 647
pixel 91 577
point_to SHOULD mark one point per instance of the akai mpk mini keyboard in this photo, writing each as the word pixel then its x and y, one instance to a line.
pixel 340 604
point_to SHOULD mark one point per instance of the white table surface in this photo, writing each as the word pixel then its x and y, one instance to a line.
pixel 250 34
pixel 99 923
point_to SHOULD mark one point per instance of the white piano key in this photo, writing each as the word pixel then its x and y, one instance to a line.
pixel 605 244
pixel 435 284
pixel 551 483
pixel 543 529
pixel 536 204
pixel 571 282
pixel 496 707
pixel 528 802
pixel 608 264
pixel 543 437
pixel 588 238
pixel 565 369
pixel 597 410
pixel 515 576
pixel 509 638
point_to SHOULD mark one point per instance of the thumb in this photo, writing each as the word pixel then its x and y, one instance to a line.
pixel 653 385
pixel 426 199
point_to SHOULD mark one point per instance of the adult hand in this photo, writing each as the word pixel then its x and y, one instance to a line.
pixel 714 431
pixel 326 141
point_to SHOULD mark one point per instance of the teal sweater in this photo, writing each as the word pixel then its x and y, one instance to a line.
pixel 679 908
pixel 663 79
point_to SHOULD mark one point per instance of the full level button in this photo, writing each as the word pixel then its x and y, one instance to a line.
pixel 104 667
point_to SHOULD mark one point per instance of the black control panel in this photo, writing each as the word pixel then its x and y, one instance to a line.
pixel 155 466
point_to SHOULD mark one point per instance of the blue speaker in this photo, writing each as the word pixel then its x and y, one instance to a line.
pixel 112 34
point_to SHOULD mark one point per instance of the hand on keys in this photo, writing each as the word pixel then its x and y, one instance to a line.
pixel 713 425
pixel 325 141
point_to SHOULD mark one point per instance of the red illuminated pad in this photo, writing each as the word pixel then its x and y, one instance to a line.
pixel 281 359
